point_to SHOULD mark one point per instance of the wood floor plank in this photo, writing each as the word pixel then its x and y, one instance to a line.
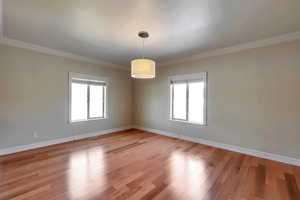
pixel 292 186
pixel 260 184
pixel 136 164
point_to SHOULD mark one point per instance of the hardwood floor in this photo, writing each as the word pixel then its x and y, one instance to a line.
pixel 140 165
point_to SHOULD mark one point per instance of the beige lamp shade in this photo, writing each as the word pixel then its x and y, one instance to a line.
pixel 142 68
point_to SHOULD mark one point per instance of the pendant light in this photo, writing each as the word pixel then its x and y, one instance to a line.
pixel 143 68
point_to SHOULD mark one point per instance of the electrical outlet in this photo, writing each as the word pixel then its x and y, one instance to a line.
pixel 35 134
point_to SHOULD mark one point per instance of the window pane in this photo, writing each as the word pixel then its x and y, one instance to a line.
pixel 96 101
pixel 179 101
pixel 196 102
pixel 79 102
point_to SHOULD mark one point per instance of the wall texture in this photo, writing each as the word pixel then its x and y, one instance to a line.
pixel 34 97
pixel 253 99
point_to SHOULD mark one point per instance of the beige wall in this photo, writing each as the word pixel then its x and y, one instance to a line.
pixel 34 97
pixel 253 99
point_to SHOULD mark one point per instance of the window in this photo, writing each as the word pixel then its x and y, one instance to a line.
pixel 188 98
pixel 87 97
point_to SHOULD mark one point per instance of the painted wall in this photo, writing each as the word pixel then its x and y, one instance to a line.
pixel 253 99
pixel 34 97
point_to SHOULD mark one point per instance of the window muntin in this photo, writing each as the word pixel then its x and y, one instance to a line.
pixel 188 98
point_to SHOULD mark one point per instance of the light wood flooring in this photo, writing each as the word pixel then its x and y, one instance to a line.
pixel 141 165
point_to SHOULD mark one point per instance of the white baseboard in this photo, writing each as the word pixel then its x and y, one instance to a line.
pixel 16 149
pixel 234 148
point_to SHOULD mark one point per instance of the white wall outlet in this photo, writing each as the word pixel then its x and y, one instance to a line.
pixel 35 134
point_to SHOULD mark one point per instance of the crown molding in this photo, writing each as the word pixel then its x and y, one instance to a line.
pixel 218 52
pixel 233 49
pixel 49 51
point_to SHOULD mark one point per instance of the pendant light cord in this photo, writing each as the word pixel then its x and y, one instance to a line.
pixel 143 55
pixel 143 47
pixel 143 35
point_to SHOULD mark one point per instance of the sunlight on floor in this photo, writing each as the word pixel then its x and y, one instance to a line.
pixel 86 173
pixel 187 173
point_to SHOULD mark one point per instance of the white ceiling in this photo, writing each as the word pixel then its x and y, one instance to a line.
pixel 107 29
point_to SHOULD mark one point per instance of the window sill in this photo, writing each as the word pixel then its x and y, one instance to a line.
pixel 187 122
pixel 86 120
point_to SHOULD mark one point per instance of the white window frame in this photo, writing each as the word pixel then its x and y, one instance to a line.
pixel 186 79
pixel 92 79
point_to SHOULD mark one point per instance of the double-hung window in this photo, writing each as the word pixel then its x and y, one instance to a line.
pixel 188 98
pixel 87 97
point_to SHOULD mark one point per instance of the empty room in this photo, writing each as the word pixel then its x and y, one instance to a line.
pixel 149 99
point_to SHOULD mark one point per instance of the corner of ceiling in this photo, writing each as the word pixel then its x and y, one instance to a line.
pixel 55 52
pixel 237 48
pixel 49 51
pixel 232 49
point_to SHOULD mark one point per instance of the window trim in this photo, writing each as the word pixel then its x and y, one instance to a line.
pixel 187 79
pixel 88 79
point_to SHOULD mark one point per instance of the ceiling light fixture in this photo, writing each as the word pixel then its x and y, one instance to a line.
pixel 143 68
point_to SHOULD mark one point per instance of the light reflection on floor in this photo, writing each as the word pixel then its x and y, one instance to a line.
pixel 86 173
pixel 187 176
